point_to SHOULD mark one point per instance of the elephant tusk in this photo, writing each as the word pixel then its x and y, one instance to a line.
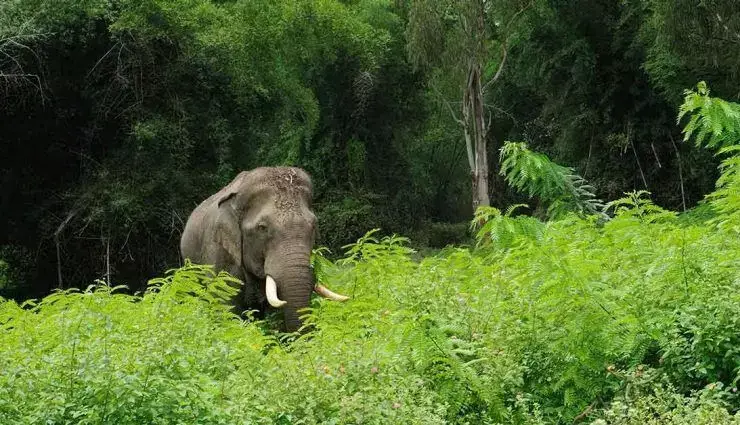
pixel 271 292
pixel 326 293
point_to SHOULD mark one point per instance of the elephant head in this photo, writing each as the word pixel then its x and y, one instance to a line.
pixel 261 228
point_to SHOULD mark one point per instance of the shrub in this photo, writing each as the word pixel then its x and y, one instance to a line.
pixel 343 221
pixel 625 320
pixel 15 270
pixel 649 400
pixel 441 235
pixel 535 332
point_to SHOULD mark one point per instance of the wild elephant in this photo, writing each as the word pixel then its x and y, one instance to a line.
pixel 261 228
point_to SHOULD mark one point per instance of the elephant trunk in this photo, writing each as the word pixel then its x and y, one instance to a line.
pixel 291 273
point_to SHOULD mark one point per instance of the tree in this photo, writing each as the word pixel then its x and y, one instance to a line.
pixel 686 41
pixel 466 41
pixel 147 108
pixel 581 88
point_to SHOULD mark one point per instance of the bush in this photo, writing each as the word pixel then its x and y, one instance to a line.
pixel 537 331
pixel 4 278
pixel 649 400
pixel 176 355
pixel 343 221
pixel 441 235
pixel 16 265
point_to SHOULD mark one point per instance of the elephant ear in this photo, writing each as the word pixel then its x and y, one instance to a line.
pixel 227 232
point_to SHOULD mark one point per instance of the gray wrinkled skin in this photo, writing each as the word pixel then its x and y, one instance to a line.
pixel 260 224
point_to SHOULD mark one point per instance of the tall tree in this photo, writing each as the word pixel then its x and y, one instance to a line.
pixel 465 44
pixel 596 85
pixel 141 109
pixel 688 41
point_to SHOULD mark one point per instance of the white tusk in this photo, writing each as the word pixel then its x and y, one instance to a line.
pixel 326 293
pixel 271 292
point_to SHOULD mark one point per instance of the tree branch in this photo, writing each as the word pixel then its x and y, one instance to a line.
pixel 581 416
pixel 504 45
pixel 57 233
pixel 488 125
pixel 449 107
pixel 501 110
pixel 466 117
pixel 505 53
pixel 107 259
pixel 21 73
pixel 680 172
pixel 637 159
pixel 516 15
pixel 103 58
pixel 12 58
pixel 657 159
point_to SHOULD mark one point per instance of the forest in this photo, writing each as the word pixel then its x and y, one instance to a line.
pixel 532 205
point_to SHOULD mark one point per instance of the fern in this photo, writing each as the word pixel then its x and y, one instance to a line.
pixel 556 320
pixel 320 264
pixel 503 231
pixel 535 174
pixel 637 205
pixel 714 123
pixel 726 197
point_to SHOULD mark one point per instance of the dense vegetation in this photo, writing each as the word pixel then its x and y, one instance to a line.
pixel 117 117
pixel 600 286
pixel 615 313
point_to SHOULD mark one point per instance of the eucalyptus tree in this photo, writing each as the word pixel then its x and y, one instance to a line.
pixel 464 45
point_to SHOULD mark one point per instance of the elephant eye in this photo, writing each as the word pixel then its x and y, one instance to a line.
pixel 262 227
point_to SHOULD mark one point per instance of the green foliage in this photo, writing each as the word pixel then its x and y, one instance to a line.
pixel 502 231
pixel 155 105
pixel 441 235
pixel 685 41
pixel 4 278
pixel 714 123
pixel 343 220
pixel 649 399
pixel 437 235
pixel 559 186
pixel 577 90
pixel 16 270
pixel 726 199
pixel 556 318
pixel 636 206
pixel 120 116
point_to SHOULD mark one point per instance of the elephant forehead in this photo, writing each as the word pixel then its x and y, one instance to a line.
pixel 293 209
pixel 292 189
pixel 285 203
pixel 287 179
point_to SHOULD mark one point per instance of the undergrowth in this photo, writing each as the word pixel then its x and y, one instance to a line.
pixel 628 316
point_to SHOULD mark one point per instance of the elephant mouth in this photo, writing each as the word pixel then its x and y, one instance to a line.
pixel 321 290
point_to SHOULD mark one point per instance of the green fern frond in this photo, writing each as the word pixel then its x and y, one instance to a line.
pixel 637 204
pixel 502 231
pixel 715 124
pixel 536 175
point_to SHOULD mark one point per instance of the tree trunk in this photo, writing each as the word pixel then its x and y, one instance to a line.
pixel 474 117
pixel 476 129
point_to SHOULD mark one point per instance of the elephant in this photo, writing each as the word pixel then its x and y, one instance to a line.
pixel 261 229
